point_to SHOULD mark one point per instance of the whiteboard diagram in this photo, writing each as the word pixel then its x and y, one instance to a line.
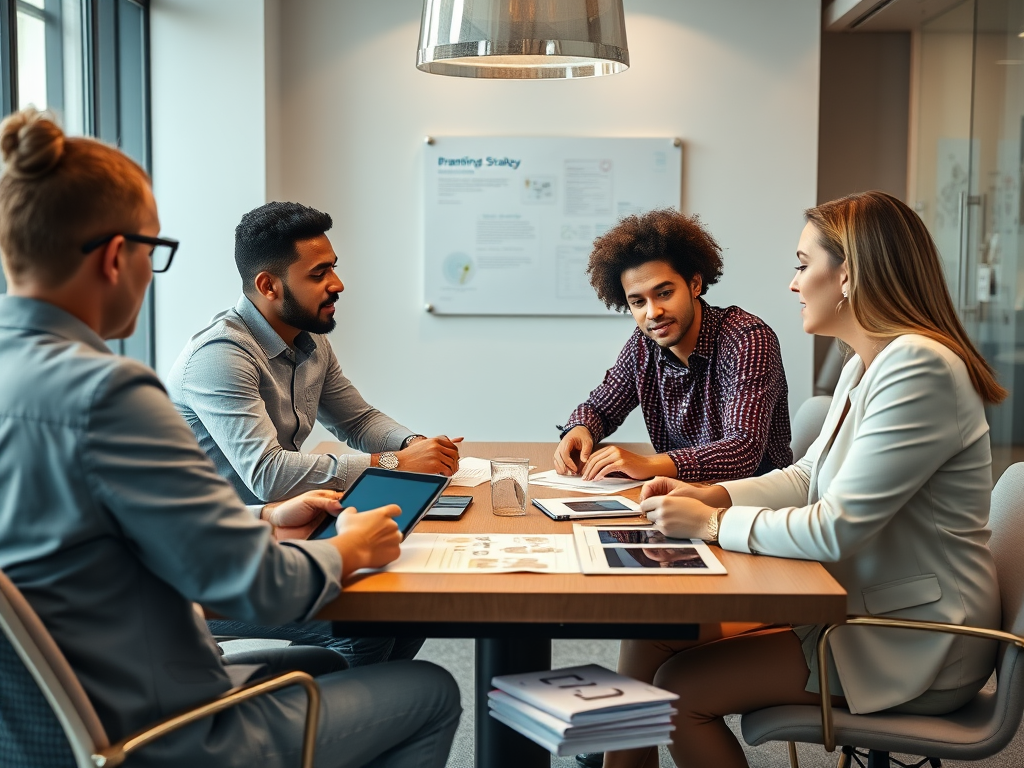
pixel 509 222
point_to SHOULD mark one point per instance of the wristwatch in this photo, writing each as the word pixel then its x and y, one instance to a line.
pixel 713 522
pixel 412 439
pixel 387 460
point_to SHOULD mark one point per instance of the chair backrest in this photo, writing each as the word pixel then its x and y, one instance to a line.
pixel 46 718
pixel 807 422
pixel 831 367
pixel 1005 517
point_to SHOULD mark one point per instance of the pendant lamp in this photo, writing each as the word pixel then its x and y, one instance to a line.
pixel 522 39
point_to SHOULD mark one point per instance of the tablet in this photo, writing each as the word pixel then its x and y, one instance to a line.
pixel 579 508
pixel 414 492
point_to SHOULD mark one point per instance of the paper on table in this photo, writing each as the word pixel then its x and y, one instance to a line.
pixel 472 472
pixel 480 553
pixel 609 486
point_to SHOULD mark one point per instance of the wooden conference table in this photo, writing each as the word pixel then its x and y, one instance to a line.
pixel 514 616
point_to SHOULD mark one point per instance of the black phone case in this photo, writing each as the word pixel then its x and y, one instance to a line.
pixel 432 515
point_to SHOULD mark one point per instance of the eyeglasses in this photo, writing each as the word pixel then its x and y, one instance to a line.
pixel 162 253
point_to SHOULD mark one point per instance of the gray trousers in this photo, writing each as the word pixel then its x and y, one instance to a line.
pixel 400 715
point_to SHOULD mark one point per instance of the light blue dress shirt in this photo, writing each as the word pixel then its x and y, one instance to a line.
pixel 113 521
pixel 252 400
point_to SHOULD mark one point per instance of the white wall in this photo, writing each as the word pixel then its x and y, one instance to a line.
pixel 738 81
pixel 209 153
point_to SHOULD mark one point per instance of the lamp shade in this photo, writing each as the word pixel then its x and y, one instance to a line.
pixel 523 39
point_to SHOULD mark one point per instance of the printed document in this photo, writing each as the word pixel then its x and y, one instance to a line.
pixel 472 472
pixel 480 553
pixel 607 487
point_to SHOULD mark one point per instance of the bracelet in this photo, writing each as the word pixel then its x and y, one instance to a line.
pixel 712 525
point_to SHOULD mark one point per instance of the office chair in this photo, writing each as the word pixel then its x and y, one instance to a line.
pixel 47 720
pixel 980 728
pixel 807 422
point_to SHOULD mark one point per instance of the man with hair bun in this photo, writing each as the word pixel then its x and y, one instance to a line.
pixel 113 521
pixel 709 380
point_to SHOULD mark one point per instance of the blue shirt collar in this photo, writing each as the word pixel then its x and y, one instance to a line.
pixel 37 315
pixel 264 333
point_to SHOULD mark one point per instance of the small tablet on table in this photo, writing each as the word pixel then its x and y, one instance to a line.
pixel 414 492
pixel 579 508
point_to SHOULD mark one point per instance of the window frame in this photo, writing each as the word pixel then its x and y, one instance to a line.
pixel 104 99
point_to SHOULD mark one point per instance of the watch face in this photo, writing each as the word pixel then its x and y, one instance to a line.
pixel 388 460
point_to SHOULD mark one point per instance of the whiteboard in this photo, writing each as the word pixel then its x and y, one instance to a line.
pixel 509 222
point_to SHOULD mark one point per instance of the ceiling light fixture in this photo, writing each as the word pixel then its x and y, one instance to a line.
pixel 523 39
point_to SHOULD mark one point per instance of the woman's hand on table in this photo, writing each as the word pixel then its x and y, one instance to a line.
pixel 712 495
pixel 678 517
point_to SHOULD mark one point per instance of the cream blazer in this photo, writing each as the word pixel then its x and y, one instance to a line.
pixel 895 506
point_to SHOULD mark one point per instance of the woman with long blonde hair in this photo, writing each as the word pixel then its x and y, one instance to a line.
pixel 892 498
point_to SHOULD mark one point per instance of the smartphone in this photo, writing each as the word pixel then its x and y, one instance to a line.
pixel 448 508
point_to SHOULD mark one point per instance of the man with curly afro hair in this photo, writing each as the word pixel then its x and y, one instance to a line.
pixel 709 380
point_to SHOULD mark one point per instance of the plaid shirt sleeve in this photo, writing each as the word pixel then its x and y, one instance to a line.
pixel 751 381
pixel 613 400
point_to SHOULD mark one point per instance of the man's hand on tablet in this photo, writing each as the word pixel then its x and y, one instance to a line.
pixel 367 539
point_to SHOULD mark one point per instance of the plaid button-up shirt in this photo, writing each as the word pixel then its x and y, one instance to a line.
pixel 723 417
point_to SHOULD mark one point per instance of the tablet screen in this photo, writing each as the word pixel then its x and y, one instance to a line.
pixel 411 491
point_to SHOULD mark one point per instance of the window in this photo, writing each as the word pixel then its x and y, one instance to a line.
pixel 49 45
pixel 87 62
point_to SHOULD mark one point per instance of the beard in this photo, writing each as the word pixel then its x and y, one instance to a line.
pixel 669 341
pixel 297 316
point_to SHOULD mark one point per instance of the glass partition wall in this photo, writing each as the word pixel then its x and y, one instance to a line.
pixel 967 148
pixel 87 62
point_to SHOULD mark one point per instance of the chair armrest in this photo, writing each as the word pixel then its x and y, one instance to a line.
pixel 827 728
pixel 116 754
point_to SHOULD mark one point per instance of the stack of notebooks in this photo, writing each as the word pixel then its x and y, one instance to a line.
pixel 583 709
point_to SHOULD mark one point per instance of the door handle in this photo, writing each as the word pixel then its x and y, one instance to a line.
pixel 966 311
pixel 962 254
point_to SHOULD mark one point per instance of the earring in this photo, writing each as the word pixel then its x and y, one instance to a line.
pixel 845 295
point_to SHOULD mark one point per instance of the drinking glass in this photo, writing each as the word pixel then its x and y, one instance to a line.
pixel 509 486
